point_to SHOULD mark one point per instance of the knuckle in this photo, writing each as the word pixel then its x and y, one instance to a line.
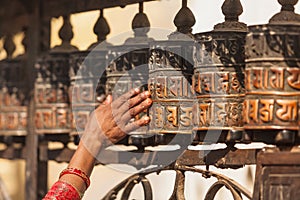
pixel 132 112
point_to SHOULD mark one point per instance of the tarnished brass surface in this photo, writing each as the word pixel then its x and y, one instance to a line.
pixel 272 78
pixel 170 84
pixel 218 80
pixel 51 95
pixel 128 69
pixel 87 87
pixel 13 98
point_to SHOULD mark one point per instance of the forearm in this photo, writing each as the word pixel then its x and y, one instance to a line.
pixel 108 124
pixel 69 185
pixel 83 160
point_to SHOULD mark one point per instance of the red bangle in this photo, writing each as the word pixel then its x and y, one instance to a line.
pixel 77 172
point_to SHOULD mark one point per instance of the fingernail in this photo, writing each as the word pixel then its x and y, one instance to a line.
pixel 147 93
pixel 136 89
pixel 146 119
pixel 149 101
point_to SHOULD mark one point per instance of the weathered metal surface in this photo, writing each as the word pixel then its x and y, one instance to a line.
pixel 51 89
pixel 178 191
pixel 219 81
pixel 235 188
pixel 277 175
pixel 170 78
pixel 87 88
pixel 272 74
pixel 52 113
pixel 222 158
pixel 13 98
pixel 170 74
pixel 128 69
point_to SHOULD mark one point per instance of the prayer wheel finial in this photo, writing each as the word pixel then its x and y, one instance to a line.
pixel 9 46
pixel 287 14
pixel 140 26
pixel 232 9
pixel 101 29
pixel 140 22
pixel 66 35
pixel 184 19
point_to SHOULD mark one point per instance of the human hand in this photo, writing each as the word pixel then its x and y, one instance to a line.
pixel 111 121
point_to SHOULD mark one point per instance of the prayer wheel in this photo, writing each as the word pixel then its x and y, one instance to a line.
pixel 52 104
pixel 218 79
pixel 271 107
pixel 218 82
pixel 128 69
pixel 87 90
pixel 13 98
pixel 53 113
pixel 272 80
pixel 170 84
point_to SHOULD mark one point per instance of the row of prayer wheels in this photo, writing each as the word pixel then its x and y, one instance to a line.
pixel 235 83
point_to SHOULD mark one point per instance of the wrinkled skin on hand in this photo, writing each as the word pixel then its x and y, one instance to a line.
pixel 111 121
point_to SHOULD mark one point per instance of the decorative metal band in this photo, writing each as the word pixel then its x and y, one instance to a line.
pixel 221 113
pixel 13 121
pixel 272 85
pixel 51 92
pixel 271 111
pixel 273 42
pixel 171 117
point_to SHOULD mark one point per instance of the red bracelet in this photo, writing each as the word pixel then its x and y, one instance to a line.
pixel 77 172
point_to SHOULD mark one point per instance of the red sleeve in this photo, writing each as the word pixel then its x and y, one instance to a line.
pixel 62 191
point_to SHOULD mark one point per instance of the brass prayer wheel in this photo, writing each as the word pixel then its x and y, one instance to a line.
pixel 218 82
pixel 13 98
pixel 272 80
pixel 170 84
pixel 127 69
pixel 52 104
pixel 218 78
pixel 87 88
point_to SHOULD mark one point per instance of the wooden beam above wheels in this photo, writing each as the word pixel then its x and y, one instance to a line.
pixel 56 8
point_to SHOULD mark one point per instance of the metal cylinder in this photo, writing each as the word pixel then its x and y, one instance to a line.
pixel 87 87
pixel 170 84
pixel 128 69
pixel 52 104
pixel 272 80
pixel 218 82
pixel 13 98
